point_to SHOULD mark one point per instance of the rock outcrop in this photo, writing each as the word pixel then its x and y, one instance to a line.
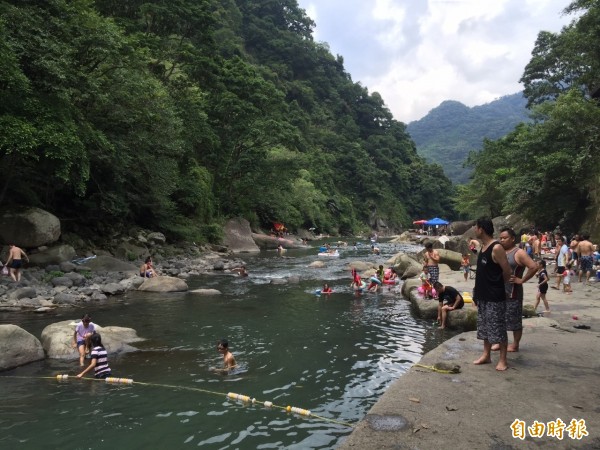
pixel 52 255
pixel 18 347
pixel 238 236
pixel 57 339
pixel 163 284
pixel 29 228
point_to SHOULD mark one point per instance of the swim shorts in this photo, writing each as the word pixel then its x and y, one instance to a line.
pixel 514 315
pixel 586 263
pixel 491 321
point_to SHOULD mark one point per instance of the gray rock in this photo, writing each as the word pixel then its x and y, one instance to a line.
pixel 57 339
pixel 294 280
pixel 78 280
pixel 163 284
pixel 67 266
pixel 64 298
pixel 18 347
pixel 129 251
pixel 24 292
pixel 62 281
pixel 279 281
pixel 29 228
pixel 53 255
pixel 206 292
pixel 43 309
pixel 157 238
pixel 237 236
pixel 52 268
pixel 113 288
pixel 98 296
pixel 219 265
pixel 103 263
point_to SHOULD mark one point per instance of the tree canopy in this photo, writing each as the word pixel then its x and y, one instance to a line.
pixel 548 169
pixel 175 115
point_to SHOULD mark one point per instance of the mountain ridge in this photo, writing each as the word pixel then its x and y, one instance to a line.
pixel 451 130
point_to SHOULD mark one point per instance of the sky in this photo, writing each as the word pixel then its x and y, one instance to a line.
pixel 418 53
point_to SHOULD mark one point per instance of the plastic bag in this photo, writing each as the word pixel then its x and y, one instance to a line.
pixel 5 270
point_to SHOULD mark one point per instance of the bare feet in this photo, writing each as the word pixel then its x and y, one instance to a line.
pixel 501 367
pixel 483 360
pixel 512 348
pixel 495 347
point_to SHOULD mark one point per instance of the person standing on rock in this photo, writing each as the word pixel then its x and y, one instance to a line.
pixel 81 338
pixel 15 262
pixel 518 261
pixel 432 259
pixel 585 249
pixel 490 294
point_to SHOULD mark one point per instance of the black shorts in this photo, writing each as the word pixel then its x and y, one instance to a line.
pixel 560 270
pixel 544 288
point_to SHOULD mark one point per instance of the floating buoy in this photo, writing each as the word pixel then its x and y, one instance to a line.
pixel 234 396
pixel 302 412
pixel 118 380
pixel 62 377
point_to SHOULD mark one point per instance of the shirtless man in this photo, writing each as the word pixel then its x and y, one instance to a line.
pixel 228 359
pixel 431 259
pixel 585 250
pixel 15 261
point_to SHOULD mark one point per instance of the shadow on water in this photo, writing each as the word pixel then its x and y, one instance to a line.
pixel 332 354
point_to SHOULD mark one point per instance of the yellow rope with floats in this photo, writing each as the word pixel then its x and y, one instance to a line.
pixel 229 395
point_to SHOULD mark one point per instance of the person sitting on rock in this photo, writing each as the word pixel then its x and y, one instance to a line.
pixel 449 300
pixel 147 270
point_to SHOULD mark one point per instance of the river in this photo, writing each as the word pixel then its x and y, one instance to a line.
pixel 333 355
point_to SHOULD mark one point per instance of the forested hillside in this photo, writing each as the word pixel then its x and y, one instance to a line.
pixel 549 170
pixel 449 132
pixel 176 115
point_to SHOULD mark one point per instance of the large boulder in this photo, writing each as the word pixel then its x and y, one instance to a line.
pixel 404 237
pixel 458 244
pixel 406 266
pixel 451 258
pixel 360 266
pixel 53 255
pixel 163 284
pixel 458 228
pixel 237 236
pixel 18 347
pixel 57 339
pixel 126 250
pixel 205 292
pixel 29 228
pixel 272 242
pixel 103 263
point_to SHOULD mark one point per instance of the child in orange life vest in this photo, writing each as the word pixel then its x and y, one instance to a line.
pixel 426 282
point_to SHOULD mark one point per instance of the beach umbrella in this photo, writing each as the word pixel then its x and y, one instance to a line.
pixel 419 222
pixel 436 221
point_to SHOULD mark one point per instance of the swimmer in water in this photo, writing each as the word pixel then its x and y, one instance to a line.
pixel 228 359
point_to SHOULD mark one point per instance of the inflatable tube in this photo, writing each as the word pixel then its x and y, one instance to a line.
pixel 421 291
pixel 375 280
pixel 329 255
pixel 362 286
pixel 467 297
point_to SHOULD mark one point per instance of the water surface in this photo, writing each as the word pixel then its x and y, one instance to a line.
pixel 334 355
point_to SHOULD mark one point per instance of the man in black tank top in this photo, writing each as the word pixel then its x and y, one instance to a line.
pixel 518 260
pixel 490 294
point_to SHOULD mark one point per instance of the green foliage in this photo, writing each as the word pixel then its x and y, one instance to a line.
pixel 52 275
pixel 176 115
pixel 448 133
pixel 546 170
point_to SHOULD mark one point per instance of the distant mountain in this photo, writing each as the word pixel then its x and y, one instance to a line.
pixel 449 132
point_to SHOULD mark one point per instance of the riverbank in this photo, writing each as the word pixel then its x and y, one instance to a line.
pixel 553 376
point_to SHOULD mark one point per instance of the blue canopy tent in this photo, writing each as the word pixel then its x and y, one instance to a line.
pixel 436 221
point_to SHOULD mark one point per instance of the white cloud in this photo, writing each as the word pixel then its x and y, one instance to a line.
pixel 417 54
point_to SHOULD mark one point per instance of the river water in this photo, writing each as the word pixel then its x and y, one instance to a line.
pixel 334 355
